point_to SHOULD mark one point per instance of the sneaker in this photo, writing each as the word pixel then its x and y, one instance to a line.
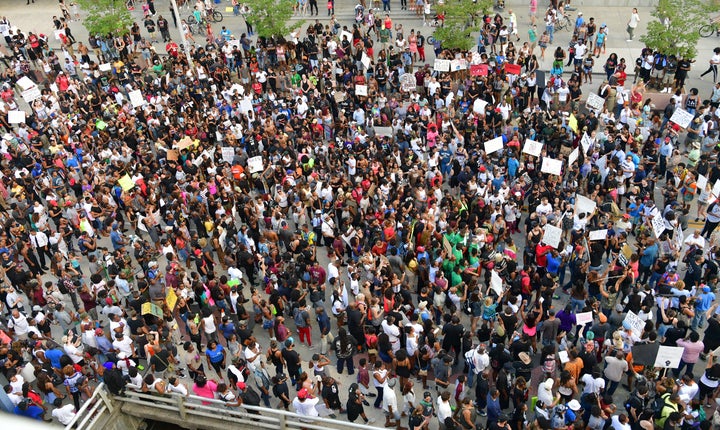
pixel 371 420
pixel 629 40
pixel 482 413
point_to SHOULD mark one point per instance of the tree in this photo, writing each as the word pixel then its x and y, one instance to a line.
pixel 106 16
pixel 271 18
pixel 463 18
pixel 674 31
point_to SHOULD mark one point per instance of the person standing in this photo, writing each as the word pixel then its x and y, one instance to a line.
pixel 712 220
pixel 632 24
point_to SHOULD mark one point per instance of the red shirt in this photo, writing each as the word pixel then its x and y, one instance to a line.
pixel 540 254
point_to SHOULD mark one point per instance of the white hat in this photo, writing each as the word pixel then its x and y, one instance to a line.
pixel 574 405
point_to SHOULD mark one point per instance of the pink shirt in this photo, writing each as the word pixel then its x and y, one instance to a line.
pixel 692 350
pixel 208 391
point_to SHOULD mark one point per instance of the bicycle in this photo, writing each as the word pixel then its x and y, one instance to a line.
pixel 563 23
pixel 213 15
pixel 707 30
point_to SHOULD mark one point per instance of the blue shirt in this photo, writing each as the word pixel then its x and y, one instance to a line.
pixel 493 409
pixel 324 322
pixel 649 255
pixel 553 263
pixel 116 240
pixel 513 165
pixel 215 355
pixel 705 301
pixel 54 356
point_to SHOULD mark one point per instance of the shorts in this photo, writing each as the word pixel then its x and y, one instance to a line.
pixel 267 324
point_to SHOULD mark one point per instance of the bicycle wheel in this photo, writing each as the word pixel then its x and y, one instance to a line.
pixel 191 18
pixel 217 16
pixel 431 40
pixel 706 30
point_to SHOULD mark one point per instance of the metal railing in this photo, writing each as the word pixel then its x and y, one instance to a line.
pixel 188 407
pixel 92 410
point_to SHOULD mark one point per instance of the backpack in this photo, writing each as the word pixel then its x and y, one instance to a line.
pixel 250 397
pixel 300 317
pixel 659 404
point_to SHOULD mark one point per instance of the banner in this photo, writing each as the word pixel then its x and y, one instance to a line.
pixel 513 69
pixel 479 70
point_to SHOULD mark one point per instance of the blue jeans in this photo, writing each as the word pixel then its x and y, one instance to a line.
pixel 379 398
pixel 550 31
pixel 612 386
pixel 698 320
pixel 575 303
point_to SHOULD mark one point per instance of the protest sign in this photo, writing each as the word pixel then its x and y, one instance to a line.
pixel 598 234
pixel 126 182
pixel 496 282
pixel 172 155
pixel 636 324
pixel 228 154
pixel 658 225
pixel 479 106
pixel 625 254
pixel 586 143
pixel 25 83
pixel 551 166
pixel 16 116
pixel 479 70
pixel 584 204
pixel 669 356
pixel 361 90
pixel 136 98
pixel 513 69
pixel 532 147
pixel 441 65
pixel 408 83
pixel 255 164
pixel 383 131
pixel 493 145
pixel 171 299
pixel 682 117
pixel 152 309
pixel 583 318
pixel 31 94
pixel 595 102
pixel 184 143
pixel 701 183
pixel 552 235
pixel 572 158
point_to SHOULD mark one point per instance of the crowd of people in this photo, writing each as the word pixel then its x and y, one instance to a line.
pixel 284 211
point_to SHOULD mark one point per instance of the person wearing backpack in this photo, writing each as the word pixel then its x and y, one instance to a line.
pixel 666 405
pixel 302 322
pixel 636 404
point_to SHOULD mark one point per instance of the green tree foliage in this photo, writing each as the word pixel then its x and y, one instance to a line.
pixel 106 16
pixel 463 19
pixel 272 17
pixel 675 27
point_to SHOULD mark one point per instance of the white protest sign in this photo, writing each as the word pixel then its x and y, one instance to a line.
pixel 408 82
pixel 31 94
pixel 601 163
pixel 105 67
pixel 658 225
pixel 701 183
pixel 457 65
pixel 595 102
pixel 598 234
pixel 636 324
pixel 573 156
pixel 246 105
pixel 365 60
pixel 496 283
pixel 16 116
pixel 669 356
pixel 58 33
pixel 682 117
pixel 493 145
pixel 361 90
pixel 586 143
pixel 479 106
pixel 136 98
pixel 25 83
pixel 716 189
pixel 584 204
pixel 552 235
pixel 228 153
pixel 583 318
pixel 441 65
pixel 532 147
pixel 383 131
pixel 551 166
pixel 255 164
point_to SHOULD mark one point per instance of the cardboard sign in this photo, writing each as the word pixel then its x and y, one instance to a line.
pixel 572 158
pixel 31 94
pixel 172 155
pixel 25 83
pixel 513 69
pixel 658 225
pixel 171 299
pixel 586 143
pixel 16 116
pixel 105 67
pixel 184 143
pixel 126 183
pixel 682 117
pixel 441 65
pixel 255 164
pixel 636 324
pixel 493 145
pixel 669 356
pixel 136 98
pixel 532 147
pixel 361 90
pixel 152 309
pixel 598 235
pixel 552 235
pixel 365 60
pixel 625 254
pixel 595 102
pixel 228 154
pixel 551 166
pixel 479 70
pixel 584 204
pixel 583 318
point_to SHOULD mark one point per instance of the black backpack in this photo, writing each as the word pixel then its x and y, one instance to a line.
pixel 659 404
pixel 250 397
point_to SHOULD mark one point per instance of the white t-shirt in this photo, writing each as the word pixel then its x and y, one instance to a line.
pixel 64 414
pixel 307 407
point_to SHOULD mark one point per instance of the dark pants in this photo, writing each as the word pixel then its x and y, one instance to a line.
pixel 708 229
pixel 341 362
pixel 379 398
